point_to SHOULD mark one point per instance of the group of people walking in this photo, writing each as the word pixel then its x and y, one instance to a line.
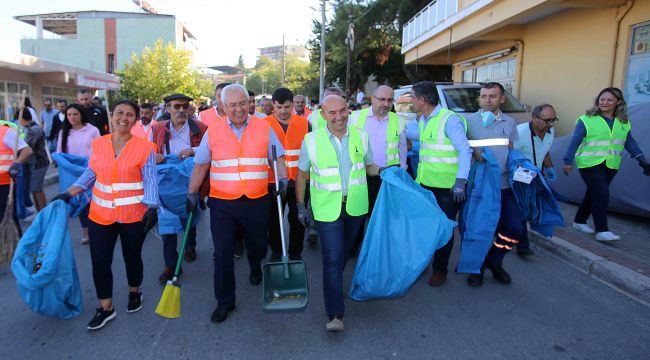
pixel 329 163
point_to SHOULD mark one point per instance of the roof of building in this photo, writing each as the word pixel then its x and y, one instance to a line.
pixel 65 23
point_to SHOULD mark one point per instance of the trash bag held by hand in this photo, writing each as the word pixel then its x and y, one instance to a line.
pixel 44 265
pixel 407 226
pixel 173 180
pixel 70 169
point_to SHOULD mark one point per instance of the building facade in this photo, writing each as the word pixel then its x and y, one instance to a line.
pixel 101 40
pixel 275 52
pixel 561 52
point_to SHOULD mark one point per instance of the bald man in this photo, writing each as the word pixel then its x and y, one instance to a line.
pixel 336 158
pixel 316 119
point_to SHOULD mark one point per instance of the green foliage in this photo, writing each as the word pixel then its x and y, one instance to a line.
pixel 267 76
pixel 160 71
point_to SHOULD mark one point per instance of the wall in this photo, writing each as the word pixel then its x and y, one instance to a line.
pixel 86 51
pixel 135 33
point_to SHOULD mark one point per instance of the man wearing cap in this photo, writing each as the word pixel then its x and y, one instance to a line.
pixel 181 136
pixel 237 151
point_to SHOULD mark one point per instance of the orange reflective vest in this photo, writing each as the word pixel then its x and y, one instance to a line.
pixel 239 167
pixel 292 140
pixel 139 131
pixel 118 189
pixel 6 157
pixel 305 113
pixel 209 116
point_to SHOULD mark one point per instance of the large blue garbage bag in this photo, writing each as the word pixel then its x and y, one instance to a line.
pixel 535 200
pixel 173 180
pixel 44 265
pixel 407 226
pixel 70 169
pixel 480 215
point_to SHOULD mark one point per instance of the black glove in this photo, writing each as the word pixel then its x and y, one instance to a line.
pixel 458 191
pixel 381 169
pixel 65 196
pixel 150 219
pixel 191 202
pixel 14 169
pixel 282 188
pixel 303 215
pixel 644 165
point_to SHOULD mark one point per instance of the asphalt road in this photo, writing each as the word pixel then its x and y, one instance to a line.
pixel 550 311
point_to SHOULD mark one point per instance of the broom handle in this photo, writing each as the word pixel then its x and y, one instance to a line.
pixel 182 252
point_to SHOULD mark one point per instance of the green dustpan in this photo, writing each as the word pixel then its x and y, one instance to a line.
pixel 284 287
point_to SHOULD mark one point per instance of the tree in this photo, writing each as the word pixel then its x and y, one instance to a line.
pixel 240 62
pixel 267 76
pixel 160 71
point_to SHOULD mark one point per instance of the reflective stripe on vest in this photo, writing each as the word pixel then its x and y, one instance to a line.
pixel 393 131
pixel 291 141
pixel 325 185
pixel 438 157
pixel 6 157
pixel 601 143
pixel 239 167
pixel 119 188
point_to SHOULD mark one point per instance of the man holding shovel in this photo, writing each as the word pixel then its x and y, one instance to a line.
pixel 336 158
pixel 236 151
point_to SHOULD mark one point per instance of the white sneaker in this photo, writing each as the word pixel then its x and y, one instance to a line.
pixel 607 236
pixel 335 325
pixel 583 227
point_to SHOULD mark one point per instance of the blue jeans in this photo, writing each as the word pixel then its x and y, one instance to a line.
pixel 337 238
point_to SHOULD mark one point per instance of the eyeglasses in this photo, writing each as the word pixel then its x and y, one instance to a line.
pixel 243 104
pixel 387 100
pixel 185 106
pixel 549 121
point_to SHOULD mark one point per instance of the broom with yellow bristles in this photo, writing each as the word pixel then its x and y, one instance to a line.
pixel 170 303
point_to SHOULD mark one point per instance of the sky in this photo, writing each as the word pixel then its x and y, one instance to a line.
pixel 224 29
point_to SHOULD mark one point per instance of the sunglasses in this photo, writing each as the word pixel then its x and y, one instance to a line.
pixel 185 106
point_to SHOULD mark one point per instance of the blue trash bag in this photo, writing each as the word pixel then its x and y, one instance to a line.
pixel 406 227
pixel 173 180
pixel 44 265
pixel 70 169
pixel 480 214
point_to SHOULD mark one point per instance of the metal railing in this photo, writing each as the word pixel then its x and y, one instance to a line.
pixel 431 16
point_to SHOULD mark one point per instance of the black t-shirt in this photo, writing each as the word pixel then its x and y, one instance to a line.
pixel 98 118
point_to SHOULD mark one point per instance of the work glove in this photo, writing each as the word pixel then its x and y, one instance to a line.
pixel 381 169
pixel 551 175
pixel 65 196
pixel 303 215
pixel 282 188
pixel 14 169
pixel 191 202
pixel 458 194
pixel 150 219
pixel 644 165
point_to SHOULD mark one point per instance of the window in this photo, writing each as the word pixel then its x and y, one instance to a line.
pixel 465 99
pixel 637 79
pixel 10 97
pixel 502 72
pixel 55 93
pixel 111 63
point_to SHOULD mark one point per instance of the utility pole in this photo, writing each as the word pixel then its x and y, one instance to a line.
pixel 283 62
pixel 322 52
pixel 348 41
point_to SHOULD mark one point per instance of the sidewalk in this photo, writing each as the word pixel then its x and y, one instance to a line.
pixel 623 265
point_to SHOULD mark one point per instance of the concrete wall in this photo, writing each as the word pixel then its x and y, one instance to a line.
pixel 86 51
pixel 135 34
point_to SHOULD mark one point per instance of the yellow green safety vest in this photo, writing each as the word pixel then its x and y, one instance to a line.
pixel 601 143
pixel 395 128
pixel 317 120
pixel 438 157
pixel 326 189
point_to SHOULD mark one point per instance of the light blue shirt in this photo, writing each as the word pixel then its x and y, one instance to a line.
pixel 542 147
pixel 455 131
pixel 178 140
pixel 342 149
pixel 203 155
pixel 46 119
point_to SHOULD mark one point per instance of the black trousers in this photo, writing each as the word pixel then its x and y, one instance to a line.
pixel 102 246
pixel 4 197
pixel 228 218
pixel 596 200
pixel 296 230
pixel 450 208
pixel 374 184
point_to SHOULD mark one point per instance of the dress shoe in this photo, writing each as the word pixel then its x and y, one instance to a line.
pixel 437 278
pixel 335 324
pixel 499 274
pixel 239 248
pixel 275 257
pixel 475 280
pixel 221 313
pixel 190 254
pixel 168 274
pixel 525 253
pixel 255 278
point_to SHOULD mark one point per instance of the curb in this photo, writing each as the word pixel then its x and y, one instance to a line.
pixel 622 279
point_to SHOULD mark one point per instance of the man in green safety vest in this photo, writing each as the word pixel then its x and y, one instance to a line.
pixel 336 159
pixel 445 158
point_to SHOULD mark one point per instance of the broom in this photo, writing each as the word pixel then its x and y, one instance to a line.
pixel 170 303
pixel 9 233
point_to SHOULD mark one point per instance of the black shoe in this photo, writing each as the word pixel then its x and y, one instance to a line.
pixel 221 313
pixel 255 278
pixel 135 302
pixel 475 280
pixel 500 274
pixel 524 253
pixel 295 257
pixel 239 248
pixel 102 317
pixel 312 239
pixel 190 254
